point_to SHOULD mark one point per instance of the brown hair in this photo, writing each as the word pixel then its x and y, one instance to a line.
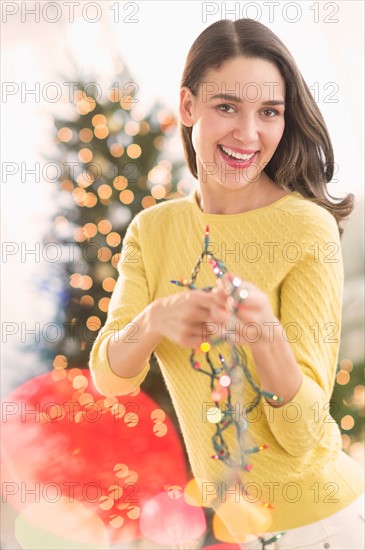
pixel 303 160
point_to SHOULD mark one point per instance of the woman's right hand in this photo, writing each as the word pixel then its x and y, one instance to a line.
pixel 183 317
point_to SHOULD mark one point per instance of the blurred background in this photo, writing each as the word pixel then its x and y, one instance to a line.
pixel 89 109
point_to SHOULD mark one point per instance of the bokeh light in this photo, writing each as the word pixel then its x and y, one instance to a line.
pixel 347 422
pixel 120 183
pixel 134 151
pixel 126 196
pixel 105 191
pixel 86 135
pixel 342 377
pixel 65 134
pixel 109 284
pixel 85 155
pixel 117 150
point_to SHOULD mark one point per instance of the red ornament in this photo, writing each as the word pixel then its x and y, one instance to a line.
pixel 61 437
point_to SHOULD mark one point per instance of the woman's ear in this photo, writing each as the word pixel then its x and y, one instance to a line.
pixel 185 107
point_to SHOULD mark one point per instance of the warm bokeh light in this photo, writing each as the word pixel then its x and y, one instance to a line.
pixel 134 151
pixel 61 223
pixel 85 155
pixel 342 377
pixel 85 179
pixel 144 128
pixel 90 200
pixel 104 254
pixel 79 194
pixel 104 304
pixel 164 117
pixel 86 282
pixel 115 259
pixel 60 362
pixel 158 192
pixel 117 150
pixel 79 235
pixel 127 102
pixel 241 518
pixel 113 239
pixel 87 301
pixel 64 134
pixel 194 496
pixel 104 227
pixel 98 120
pixel 347 422
pixel 346 364
pixel 105 191
pixel 131 128
pixel 86 135
pixel 120 183
pixel 90 230
pixel 148 201
pixel 66 185
pixel 93 323
pixel 85 106
pixel 126 196
pixel 101 132
pixel 159 143
pixel 75 280
pixel 160 174
pixel 109 284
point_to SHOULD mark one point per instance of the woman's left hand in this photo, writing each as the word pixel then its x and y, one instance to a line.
pixel 254 317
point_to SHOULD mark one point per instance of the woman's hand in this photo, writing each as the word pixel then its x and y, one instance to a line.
pixel 254 317
pixel 183 317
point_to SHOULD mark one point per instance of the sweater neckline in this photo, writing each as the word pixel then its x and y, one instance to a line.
pixel 205 216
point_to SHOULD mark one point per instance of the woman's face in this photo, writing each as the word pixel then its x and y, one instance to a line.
pixel 238 121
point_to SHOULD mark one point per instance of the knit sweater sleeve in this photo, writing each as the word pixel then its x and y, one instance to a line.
pixel 310 314
pixel 130 296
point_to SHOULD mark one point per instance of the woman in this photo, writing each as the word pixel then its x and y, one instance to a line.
pixel 257 143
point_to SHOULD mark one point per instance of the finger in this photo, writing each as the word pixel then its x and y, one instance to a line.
pixel 219 297
pixel 201 299
pixel 219 313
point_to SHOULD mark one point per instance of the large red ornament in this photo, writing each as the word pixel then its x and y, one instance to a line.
pixel 62 441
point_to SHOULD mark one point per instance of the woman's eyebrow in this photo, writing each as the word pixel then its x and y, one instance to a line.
pixel 237 99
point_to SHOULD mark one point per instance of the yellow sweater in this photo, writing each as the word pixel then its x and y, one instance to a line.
pixel 291 251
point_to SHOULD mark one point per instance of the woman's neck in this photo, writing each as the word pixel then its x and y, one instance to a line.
pixel 235 202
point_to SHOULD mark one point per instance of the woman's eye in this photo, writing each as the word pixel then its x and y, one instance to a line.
pixel 273 112
pixel 224 107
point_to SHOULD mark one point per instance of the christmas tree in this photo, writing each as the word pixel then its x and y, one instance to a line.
pixel 114 162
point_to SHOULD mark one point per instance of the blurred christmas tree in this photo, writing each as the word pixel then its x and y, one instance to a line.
pixel 114 162
pixel 347 406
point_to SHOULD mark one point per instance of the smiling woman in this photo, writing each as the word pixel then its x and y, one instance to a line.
pixel 233 135
pixel 258 145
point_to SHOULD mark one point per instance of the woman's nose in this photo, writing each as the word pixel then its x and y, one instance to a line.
pixel 245 129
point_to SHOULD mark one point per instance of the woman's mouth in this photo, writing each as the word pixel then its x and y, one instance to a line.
pixel 235 159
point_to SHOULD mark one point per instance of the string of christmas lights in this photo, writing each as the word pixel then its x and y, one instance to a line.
pixel 225 375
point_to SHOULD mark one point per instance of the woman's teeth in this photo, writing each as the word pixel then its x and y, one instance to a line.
pixel 236 155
